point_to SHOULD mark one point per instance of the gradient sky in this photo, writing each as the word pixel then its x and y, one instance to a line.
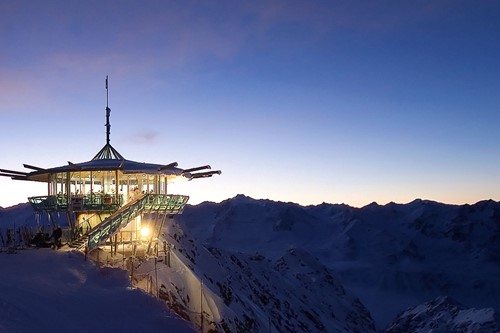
pixel 304 101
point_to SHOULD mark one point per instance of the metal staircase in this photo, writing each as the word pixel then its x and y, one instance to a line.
pixel 166 204
pixel 80 242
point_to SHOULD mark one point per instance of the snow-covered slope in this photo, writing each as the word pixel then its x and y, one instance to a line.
pixel 445 315
pixel 392 257
pixel 43 290
pixel 23 214
pixel 259 265
pixel 240 292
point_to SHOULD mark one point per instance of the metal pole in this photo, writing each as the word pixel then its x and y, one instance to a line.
pixel 123 249
pixel 201 306
pixel 156 276
pixel 108 111
pixel 165 252
pixel 168 255
pixel 131 268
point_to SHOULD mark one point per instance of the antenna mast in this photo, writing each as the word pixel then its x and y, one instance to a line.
pixel 108 112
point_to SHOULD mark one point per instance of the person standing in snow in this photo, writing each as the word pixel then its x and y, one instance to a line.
pixel 9 238
pixel 57 234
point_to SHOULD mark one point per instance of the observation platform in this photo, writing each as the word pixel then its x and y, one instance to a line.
pixel 162 203
pixel 109 195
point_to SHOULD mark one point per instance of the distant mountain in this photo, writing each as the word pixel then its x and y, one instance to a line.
pixel 445 315
pixel 391 257
pixel 20 214
pixel 252 293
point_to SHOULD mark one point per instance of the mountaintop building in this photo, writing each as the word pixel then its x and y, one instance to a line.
pixel 110 199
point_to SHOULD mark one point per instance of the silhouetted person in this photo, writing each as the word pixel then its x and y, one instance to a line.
pixel 9 238
pixel 41 240
pixel 57 234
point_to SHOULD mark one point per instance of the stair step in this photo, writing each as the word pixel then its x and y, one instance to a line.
pixel 79 243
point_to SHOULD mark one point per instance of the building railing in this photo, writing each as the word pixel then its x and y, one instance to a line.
pixel 90 202
pixel 159 203
pixel 165 203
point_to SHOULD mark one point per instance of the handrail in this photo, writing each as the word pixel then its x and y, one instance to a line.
pixel 114 222
pixel 90 202
pixel 162 203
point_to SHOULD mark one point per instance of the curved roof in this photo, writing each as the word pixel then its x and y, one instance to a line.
pixel 126 166
pixel 105 162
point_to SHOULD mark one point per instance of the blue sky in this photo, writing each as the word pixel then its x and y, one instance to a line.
pixel 304 101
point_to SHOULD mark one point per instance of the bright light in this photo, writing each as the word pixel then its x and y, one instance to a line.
pixel 145 232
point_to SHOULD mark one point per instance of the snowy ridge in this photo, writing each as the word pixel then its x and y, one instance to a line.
pixel 445 315
pixel 392 257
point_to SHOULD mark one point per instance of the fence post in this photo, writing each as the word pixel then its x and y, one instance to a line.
pixel 201 305
pixel 131 268
pixel 156 277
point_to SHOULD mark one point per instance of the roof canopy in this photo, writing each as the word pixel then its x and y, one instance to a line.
pixel 123 165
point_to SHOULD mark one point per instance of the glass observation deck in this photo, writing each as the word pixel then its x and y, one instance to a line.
pixel 163 203
pixel 92 202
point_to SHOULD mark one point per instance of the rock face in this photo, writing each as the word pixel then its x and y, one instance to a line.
pixel 296 292
pixel 445 315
